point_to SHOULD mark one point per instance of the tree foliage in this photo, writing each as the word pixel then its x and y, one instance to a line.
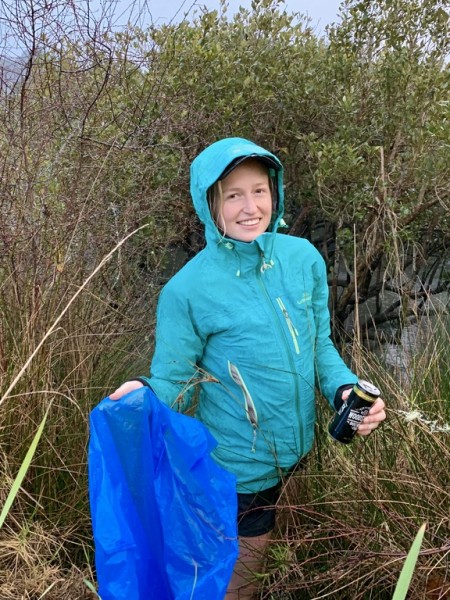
pixel 361 123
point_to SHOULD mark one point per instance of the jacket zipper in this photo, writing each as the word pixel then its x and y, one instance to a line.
pixel 292 329
pixel 288 351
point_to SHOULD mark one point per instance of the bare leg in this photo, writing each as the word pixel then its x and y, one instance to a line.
pixel 244 584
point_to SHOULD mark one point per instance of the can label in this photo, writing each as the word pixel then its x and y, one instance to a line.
pixel 345 424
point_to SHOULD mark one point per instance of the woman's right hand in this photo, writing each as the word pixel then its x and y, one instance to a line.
pixel 125 388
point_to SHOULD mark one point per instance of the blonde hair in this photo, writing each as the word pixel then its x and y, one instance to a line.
pixel 215 202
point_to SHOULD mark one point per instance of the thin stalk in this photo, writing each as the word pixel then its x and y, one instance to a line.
pixel 66 308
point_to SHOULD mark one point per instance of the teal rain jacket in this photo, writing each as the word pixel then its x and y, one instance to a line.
pixel 247 324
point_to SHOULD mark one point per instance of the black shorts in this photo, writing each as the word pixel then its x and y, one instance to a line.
pixel 256 512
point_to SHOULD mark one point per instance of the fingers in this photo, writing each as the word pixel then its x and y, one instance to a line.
pixel 377 415
pixel 346 394
pixel 125 388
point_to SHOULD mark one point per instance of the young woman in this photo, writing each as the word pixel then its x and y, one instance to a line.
pixel 246 323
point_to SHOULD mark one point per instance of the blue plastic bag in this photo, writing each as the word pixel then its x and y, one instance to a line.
pixel 163 512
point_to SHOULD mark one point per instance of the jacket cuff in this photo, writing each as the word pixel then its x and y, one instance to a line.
pixel 338 402
pixel 144 380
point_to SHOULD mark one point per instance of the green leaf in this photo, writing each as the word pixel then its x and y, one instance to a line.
pixel 90 586
pixel 408 568
pixel 22 471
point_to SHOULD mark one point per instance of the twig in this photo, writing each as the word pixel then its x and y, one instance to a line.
pixel 63 312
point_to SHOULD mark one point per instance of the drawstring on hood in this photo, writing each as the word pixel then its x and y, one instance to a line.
pixel 216 162
pixel 266 265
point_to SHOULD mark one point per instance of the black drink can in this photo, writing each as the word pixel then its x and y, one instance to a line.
pixel 353 410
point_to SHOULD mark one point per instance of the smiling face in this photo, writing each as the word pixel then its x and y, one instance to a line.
pixel 246 203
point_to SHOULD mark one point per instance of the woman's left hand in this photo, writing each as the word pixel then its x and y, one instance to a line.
pixel 371 421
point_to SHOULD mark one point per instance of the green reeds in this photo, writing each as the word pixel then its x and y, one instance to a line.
pixel 22 471
pixel 406 574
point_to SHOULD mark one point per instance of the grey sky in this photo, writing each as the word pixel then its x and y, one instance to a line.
pixel 116 14
pixel 321 12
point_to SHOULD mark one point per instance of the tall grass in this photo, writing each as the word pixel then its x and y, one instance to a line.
pixel 63 346
pixel 350 517
pixel 347 520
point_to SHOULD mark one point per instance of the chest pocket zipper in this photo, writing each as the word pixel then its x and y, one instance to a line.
pixel 250 408
pixel 292 329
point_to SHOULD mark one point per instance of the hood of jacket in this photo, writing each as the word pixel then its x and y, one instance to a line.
pixel 207 168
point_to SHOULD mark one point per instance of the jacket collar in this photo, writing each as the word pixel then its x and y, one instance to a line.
pixel 240 258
